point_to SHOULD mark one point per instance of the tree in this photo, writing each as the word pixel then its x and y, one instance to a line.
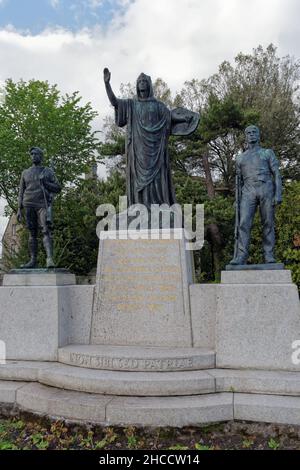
pixel 35 113
pixel 263 89
pixel 76 241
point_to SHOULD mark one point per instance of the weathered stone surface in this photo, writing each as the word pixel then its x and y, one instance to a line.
pixel 203 299
pixel 167 411
pixel 59 403
pixel 257 381
pixel 79 313
pixel 35 321
pixel 42 278
pixel 142 295
pixel 256 277
pixel 136 358
pixel 255 267
pixel 27 371
pixel 257 324
pixel 267 408
pixel 127 383
pixel 8 391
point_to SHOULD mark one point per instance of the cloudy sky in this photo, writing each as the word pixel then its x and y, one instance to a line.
pixel 68 42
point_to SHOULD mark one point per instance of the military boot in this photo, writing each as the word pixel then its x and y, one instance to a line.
pixel 33 248
pixel 238 260
pixel 47 241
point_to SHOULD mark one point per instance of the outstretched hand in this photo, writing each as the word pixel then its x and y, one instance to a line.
pixel 106 75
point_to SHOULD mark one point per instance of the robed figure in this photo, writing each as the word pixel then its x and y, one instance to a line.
pixel 149 125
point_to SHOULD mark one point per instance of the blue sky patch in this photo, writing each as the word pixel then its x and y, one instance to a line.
pixel 34 16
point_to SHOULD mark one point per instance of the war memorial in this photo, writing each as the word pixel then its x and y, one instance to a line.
pixel 147 345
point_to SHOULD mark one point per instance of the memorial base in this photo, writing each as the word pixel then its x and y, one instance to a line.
pixel 146 346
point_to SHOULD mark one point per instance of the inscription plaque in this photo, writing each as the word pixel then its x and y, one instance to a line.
pixel 141 293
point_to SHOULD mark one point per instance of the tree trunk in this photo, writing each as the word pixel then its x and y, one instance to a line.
pixel 213 232
pixel 208 179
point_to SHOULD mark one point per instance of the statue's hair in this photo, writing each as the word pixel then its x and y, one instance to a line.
pixel 39 150
pixel 251 126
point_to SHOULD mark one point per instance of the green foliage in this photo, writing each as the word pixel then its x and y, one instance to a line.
pixel 35 113
pixel 272 444
pixel 199 446
pixel 75 221
pixel 288 230
pixel 178 447
pixel 75 239
pixel 247 443
pixel 7 445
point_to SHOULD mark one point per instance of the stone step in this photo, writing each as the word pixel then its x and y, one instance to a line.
pixel 136 358
pixel 139 411
pixel 126 383
pixel 226 380
pixel 257 381
pixel 150 411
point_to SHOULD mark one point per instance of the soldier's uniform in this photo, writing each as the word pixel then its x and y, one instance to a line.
pixel 260 180
pixel 36 185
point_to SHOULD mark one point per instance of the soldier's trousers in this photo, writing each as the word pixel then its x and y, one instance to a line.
pixel 256 194
pixel 35 218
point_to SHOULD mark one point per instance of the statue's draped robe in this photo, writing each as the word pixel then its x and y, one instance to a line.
pixel 148 169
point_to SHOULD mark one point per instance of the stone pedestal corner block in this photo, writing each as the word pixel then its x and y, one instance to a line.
pixel 258 319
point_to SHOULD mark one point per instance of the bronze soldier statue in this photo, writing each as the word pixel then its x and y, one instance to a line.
pixel 37 186
pixel 258 183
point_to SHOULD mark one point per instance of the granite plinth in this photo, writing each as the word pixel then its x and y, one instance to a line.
pixel 256 267
pixel 39 277
pixel 258 320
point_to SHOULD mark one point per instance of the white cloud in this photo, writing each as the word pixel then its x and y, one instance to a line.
pixel 54 3
pixel 95 3
pixel 176 40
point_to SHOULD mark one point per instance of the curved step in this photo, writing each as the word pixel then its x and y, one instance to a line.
pixel 150 411
pixel 139 411
pixel 127 383
pixel 136 358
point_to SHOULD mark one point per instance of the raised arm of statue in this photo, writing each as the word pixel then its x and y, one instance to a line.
pixel 111 96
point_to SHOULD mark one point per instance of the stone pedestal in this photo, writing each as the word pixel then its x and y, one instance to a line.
pixel 39 277
pixel 35 313
pixel 142 290
pixel 258 319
